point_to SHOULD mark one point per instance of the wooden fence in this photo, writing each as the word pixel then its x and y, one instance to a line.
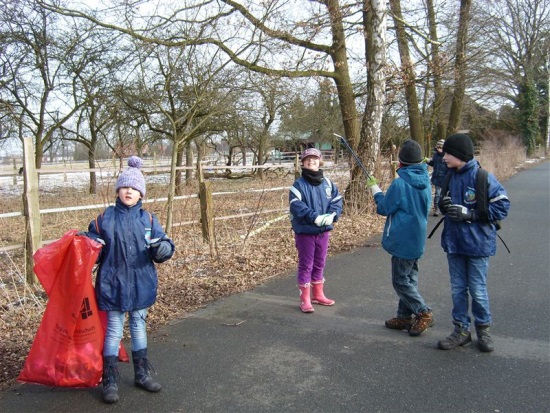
pixel 204 197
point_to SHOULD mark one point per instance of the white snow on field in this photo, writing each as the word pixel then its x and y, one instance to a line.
pixel 11 186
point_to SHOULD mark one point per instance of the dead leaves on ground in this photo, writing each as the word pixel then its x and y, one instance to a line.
pixel 187 282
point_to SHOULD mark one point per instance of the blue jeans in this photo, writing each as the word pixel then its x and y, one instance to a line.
pixel 405 283
pixel 312 256
pixel 469 278
pixel 115 327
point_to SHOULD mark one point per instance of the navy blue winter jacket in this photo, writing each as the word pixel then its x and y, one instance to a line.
pixel 439 168
pixel 474 239
pixel 308 201
pixel 406 203
pixel 127 278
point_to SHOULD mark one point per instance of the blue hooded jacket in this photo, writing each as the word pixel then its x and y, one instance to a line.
pixel 406 204
pixel 474 239
pixel 127 277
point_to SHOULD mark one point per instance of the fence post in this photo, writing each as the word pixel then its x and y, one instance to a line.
pixel 207 215
pixel 31 209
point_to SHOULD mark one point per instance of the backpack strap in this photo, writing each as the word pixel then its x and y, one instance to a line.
pixel 436 227
pixel 98 219
pixel 445 187
pixel 482 186
pixel 444 190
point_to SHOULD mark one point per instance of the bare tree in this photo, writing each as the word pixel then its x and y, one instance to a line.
pixel 37 93
pixel 94 61
pixel 409 77
pixel 460 67
pixel 306 44
pixel 517 34
pixel 436 65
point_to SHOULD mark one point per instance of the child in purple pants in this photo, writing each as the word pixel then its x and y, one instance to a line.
pixel 315 204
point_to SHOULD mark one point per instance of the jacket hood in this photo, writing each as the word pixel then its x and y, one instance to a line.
pixel 416 175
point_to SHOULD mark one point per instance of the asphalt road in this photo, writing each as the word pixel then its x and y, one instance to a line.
pixel 256 352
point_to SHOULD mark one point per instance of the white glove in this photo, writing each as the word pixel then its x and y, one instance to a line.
pixel 329 218
pixel 325 219
pixel 319 220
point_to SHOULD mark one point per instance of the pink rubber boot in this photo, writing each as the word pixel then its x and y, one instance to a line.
pixel 318 296
pixel 305 300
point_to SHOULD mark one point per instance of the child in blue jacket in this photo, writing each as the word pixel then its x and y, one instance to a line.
pixel 315 204
pixel 406 204
pixel 133 241
pixel 469 242
pixel 438 174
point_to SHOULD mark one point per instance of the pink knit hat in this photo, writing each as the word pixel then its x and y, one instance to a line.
pixel 311 152
pixel 132 177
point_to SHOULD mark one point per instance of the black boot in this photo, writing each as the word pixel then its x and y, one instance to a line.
pixel 110 375
pixel 484 340
pixel 142 370
pixel 459 337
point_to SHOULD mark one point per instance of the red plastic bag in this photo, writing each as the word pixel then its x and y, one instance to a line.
pixel 67 349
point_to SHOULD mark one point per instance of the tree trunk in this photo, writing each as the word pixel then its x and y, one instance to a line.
pixel 188 162
pixel 342 78
pixel 374 23
pixel 346 97
pixel 437 124
pixel 460 67
pixel 92 188
pixel 180 149
pixel 415 118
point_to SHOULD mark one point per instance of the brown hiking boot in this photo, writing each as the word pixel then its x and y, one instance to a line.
pixel 397 323
pixel 421 323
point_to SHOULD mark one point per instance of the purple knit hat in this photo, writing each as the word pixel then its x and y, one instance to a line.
pixel 132 177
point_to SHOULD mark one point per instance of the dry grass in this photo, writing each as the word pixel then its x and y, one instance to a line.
pixel 192 278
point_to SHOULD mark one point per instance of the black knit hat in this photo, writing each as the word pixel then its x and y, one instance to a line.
pixel 460 146
pixel 410 153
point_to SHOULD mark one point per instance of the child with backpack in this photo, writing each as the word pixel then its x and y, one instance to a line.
pixel 469 240
pixel 133 241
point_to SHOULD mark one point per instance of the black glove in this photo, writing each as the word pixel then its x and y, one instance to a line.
pixel 162 251
pixel 81 234
pixel 445 204
pixel 459 213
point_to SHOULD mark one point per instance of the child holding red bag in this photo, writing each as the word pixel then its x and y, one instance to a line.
pixel 127 278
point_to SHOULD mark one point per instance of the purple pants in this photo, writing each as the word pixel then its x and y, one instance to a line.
pixel 312 256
